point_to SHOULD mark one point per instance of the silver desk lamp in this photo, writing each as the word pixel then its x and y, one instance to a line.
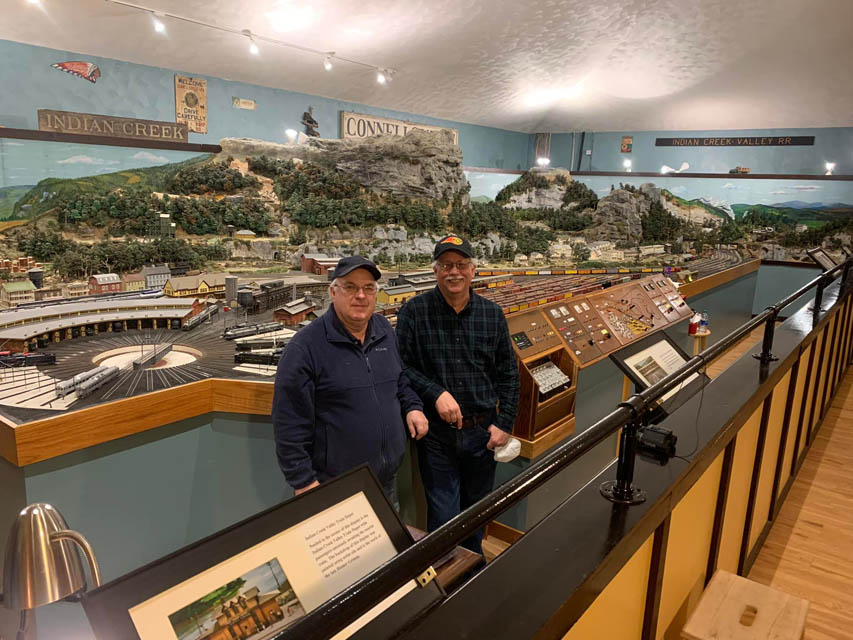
pixel 43 562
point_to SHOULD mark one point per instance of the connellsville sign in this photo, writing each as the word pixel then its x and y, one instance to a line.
pixel 361 125
pixel 111 126
pixel 766 141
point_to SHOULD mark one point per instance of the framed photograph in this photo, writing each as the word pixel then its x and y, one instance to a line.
pixel 254 579
pixel 627 144
pixel 822 258
pixel 649 361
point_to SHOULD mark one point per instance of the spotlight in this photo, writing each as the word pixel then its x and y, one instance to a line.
pixel 380 77
pixel 830 166
pixel 327 62
pixel 627 165
pixel 291 134
pixel 543 162
pixel 159 27
pixel 665 169
pixel 253 46
pixel 35 2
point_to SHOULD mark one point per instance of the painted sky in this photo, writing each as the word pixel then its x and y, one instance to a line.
pixel 26 162
pixel 715 190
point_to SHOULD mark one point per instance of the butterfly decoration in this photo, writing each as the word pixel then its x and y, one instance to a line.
pixel 86 70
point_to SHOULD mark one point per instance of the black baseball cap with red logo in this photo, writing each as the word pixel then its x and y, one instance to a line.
pixel 452 242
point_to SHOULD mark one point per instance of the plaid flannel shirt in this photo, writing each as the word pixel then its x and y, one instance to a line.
pixel 468 354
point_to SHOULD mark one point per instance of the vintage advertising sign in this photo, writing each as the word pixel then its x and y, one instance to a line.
pixel 191 102
pixel 361 125
pixel 627 144
pixel 243 103
pixel 111 126
pixel 735 141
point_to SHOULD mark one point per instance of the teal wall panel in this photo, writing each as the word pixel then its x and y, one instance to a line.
pixel 831 145
pixel 139 91
pixel 144 496
pixel 777 281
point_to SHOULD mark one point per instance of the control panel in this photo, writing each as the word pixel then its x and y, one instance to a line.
pixel 531 334
pixel 666 297
pixel 571 329
pixel 627 311
pixel 549 377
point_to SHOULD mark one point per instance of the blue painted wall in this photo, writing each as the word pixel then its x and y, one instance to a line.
pixel 138 91
pixel 831 145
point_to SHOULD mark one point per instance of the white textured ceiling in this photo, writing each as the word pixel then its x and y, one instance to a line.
pixel 525 65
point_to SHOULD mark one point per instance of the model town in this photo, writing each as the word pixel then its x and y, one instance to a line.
pixel 206 267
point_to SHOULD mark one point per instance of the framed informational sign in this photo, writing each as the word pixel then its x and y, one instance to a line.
pixel 257 577
pixel 650 360
pixel 822 258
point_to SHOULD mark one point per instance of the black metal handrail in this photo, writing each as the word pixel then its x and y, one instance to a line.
pixel 345 607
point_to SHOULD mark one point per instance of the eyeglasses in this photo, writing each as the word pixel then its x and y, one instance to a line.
pixel 351 289
pixel 448 266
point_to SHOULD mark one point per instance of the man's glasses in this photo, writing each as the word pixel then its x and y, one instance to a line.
pixel 351 289
pixel 448 266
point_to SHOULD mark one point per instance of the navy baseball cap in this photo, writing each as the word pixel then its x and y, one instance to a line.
pixel 452 242
pixel 351 263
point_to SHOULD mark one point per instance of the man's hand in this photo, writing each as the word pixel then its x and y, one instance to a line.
pixel 448 409
pixel 296 492
pixel 418 424
pixel 497 437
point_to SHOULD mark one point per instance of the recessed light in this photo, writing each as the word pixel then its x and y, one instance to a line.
pixel 380 77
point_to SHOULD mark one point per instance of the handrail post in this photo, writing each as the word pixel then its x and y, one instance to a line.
pixel 818 298
pixel 622 490
pixel 766 357
pixel 845 275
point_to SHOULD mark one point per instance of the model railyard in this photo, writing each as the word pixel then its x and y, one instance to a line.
pixel 133 346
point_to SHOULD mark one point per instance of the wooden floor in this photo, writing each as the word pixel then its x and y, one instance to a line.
pixel 809 552
pixel 751 342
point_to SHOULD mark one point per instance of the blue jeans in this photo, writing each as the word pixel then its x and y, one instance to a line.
pixel 457 470
pixel 390 490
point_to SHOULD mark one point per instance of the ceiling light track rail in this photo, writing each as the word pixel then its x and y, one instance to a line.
pixel 327 57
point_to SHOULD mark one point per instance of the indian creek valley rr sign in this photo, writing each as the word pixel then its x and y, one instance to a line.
pixel 110 126
pixel 744 141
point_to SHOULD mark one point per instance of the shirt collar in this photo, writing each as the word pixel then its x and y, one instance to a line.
pixel 336 331
pixel 443 303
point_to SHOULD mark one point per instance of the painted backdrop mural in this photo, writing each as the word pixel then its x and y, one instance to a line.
pixel 24 164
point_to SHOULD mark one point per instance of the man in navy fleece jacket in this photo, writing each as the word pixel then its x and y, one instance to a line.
pixel 341 397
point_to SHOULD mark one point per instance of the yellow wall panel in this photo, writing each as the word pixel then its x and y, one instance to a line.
pixel 824 363
pixel 738 496
pixel 691 525
pixel 626 594
pixel 760 514
pixel 796 405
pixel 807 395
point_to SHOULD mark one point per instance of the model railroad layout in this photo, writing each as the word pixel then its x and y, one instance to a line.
pixel 129 357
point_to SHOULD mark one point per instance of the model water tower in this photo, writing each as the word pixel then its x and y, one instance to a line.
pixel 36 276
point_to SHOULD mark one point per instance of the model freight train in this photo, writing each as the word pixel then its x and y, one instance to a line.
pixel 270 358
pixel 244 330
pixel 195 321
pixel 9 359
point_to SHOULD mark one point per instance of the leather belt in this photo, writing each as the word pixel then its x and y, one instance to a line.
pixel 477 420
